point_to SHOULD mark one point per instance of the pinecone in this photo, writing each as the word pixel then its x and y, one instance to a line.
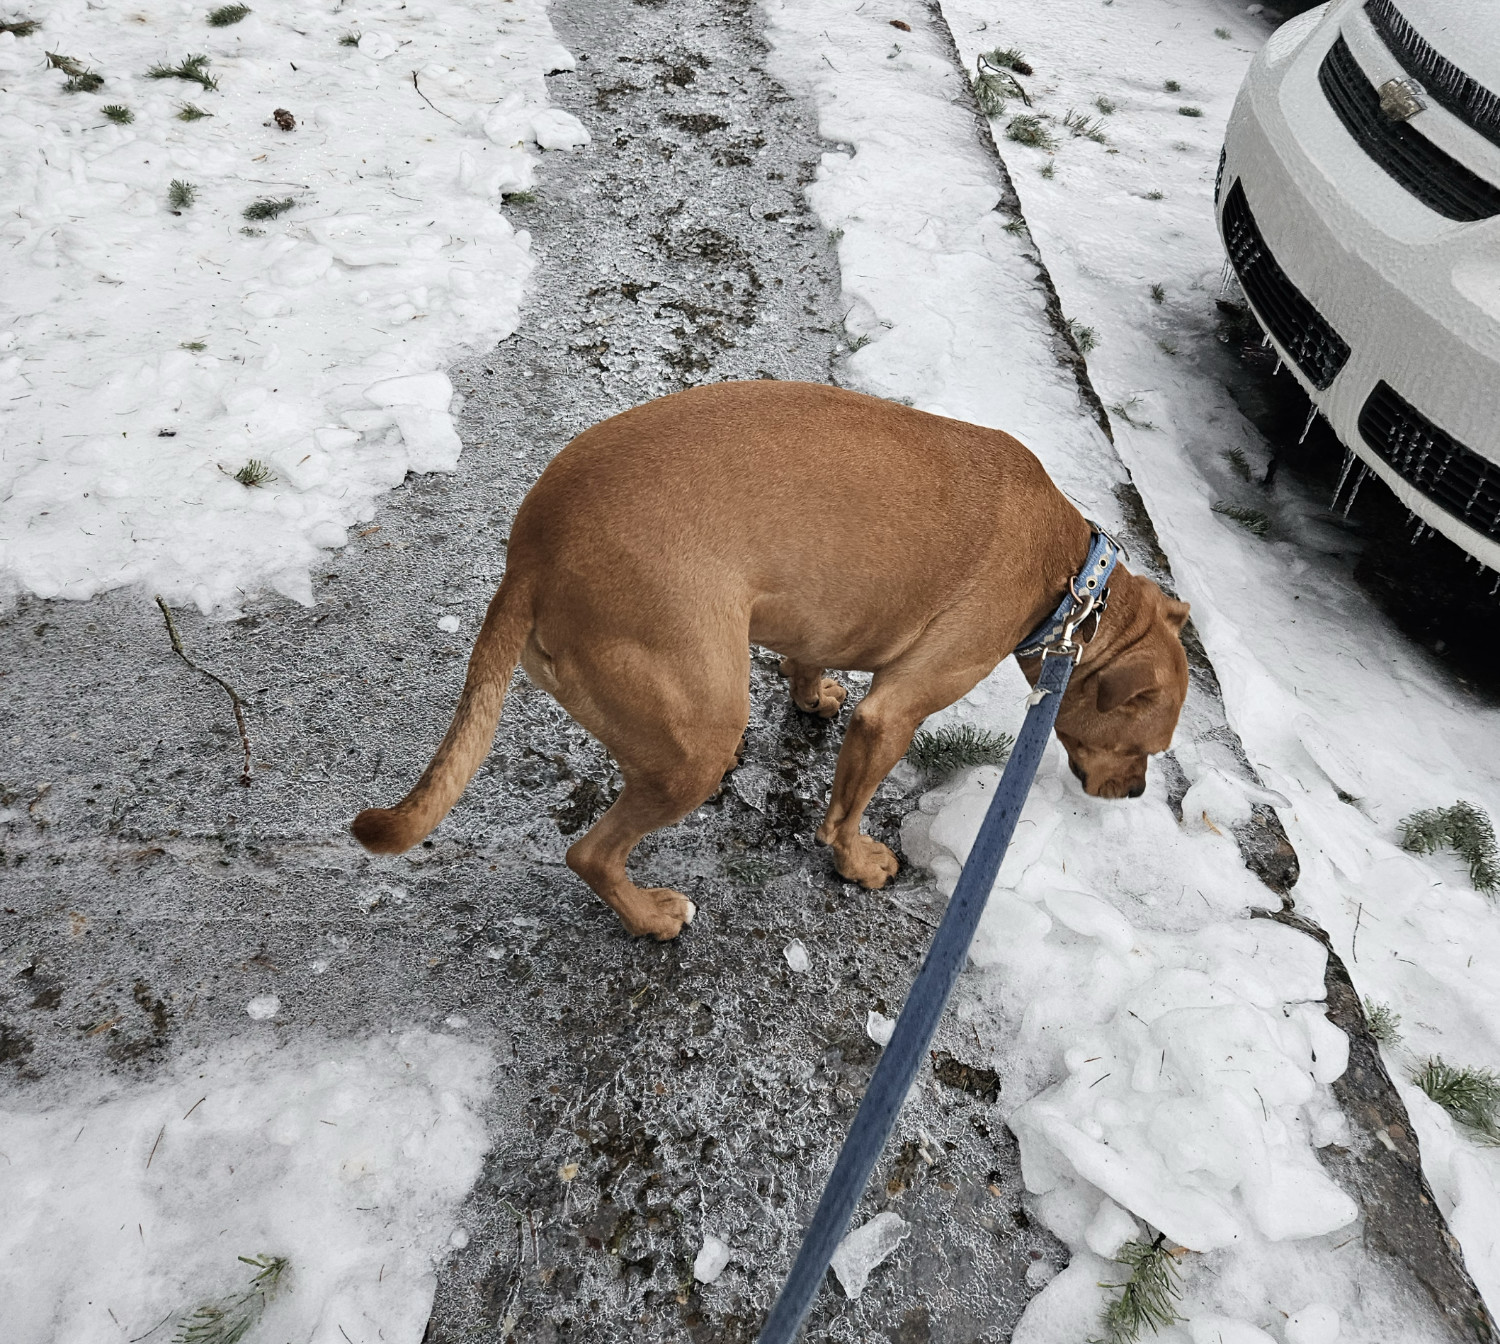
pixel 285 119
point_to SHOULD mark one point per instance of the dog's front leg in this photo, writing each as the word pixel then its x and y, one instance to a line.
pixel 880 731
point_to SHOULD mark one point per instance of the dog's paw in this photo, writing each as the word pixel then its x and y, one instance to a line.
pixel 829 700
pixel 658 912
pixel 866 861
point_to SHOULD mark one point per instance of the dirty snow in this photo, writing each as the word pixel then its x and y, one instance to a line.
pixel 148 354
pixel 1167 1059
pixel 127 1207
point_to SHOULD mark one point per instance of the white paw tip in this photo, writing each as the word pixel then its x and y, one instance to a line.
pixel 692 910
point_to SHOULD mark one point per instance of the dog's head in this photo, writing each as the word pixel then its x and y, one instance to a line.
pixel 1124 708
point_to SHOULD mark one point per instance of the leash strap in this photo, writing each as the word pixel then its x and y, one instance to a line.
pixel 924 1005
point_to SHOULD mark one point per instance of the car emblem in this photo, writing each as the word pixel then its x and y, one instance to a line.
pixel 1401 99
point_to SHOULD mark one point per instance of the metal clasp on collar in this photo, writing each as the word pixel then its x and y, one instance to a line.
pixel 1086 605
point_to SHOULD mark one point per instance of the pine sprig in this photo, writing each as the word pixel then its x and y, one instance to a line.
pixel 956 747
pixel 1470 1096
pixel 1462 827
pixel 193 69
pixel 229 1321
pixel 1383 1021
pixel 1147 1296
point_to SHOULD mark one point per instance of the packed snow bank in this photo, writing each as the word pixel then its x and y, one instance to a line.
pixel 149 350
pixel 1167 1060
pixel 1338 712
pixel 128 1210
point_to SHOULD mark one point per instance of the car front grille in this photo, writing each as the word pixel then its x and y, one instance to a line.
pixel 1314 346
pixel 1433 176
pixel 1463 96
pixel 1431 460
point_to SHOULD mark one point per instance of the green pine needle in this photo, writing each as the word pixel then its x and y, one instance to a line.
pixel 118 113
pixel 1158 293
pixel 1470 1096
pixel 1462 827
pixel 995 80
pixel 956 747
pixel 1383 1021
pixel 268 207
pixel 1189 111
pixel 193 69
pixel 226 15
pixel 1030 130
pixel 1085 338
pixel 191 112
pixel 1090 128
pixel 19 27
pixel 1147 1296
pixel 253 473
pixel 1238 462
pixel 80 78
pixel 181 195
pixel 1254 521
pixel 1126 410
pixel 1105 105
pixel 1172 86
pixel 350 39
pixel 229 1321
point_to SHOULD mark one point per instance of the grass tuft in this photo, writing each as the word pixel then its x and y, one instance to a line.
pixel 118 113
pixel 1383 1021
pixel 1470 1096
pixel 181 195
pixel 1158 293
pixel 1027 129
pixel 80 78
pixel 956 747
pixel 1017 226
pixel 191 112
pixel 1049 170
pixel 1147 1297
pixel 1090 128
pixel 1223 33
pixel 749 871
pixel 1156 195
pixel 1172 86
pixel 1105 105
pixel 1189 111
pixel 268 207
pixel 253 473
pixel 19 27
pixel 1085 338
pixel 519 198
pixel 195 346
pixel 193 69
pixel 228 1321
pixel 1462 827
pixel 1238 462
pixel 349 39
pixel 226 15
pixel 1253 521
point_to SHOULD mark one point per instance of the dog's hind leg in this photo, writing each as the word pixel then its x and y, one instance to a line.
pixel 673 737
pixel 812 692
pixel 880 731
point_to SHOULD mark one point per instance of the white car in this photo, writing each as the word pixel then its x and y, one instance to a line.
pixel 1359 203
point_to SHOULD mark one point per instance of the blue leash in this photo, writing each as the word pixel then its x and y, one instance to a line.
pixel 924 1005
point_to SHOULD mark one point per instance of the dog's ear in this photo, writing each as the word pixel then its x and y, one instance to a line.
pixel 1124 681
pixel 1174 613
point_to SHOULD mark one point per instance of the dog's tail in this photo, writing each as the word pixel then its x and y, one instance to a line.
pixel 507 623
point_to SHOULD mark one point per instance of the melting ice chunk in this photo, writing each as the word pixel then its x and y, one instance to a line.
pixel 263 1006
pixel 796 956
pixel 711 1259
pixel 867 1247
pixel 879 1028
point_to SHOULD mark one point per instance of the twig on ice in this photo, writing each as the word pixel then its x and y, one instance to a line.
pixel 428 100
pixel 234 695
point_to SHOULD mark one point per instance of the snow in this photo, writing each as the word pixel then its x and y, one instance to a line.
pixel 146 356
pixel 879 1028
pixel 712 1259
pixel 866 1248
pixel 1167 1059
pixel 127 1206
pixel 263 1006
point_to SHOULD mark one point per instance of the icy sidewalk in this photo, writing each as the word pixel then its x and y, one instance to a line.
pixel 1337 711
pixel 132 1210
pixel 236 271
pixel 1190 1042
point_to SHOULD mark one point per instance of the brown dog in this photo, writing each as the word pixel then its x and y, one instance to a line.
pixel 837 529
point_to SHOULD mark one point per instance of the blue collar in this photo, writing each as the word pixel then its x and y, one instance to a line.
pixel 1087 594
